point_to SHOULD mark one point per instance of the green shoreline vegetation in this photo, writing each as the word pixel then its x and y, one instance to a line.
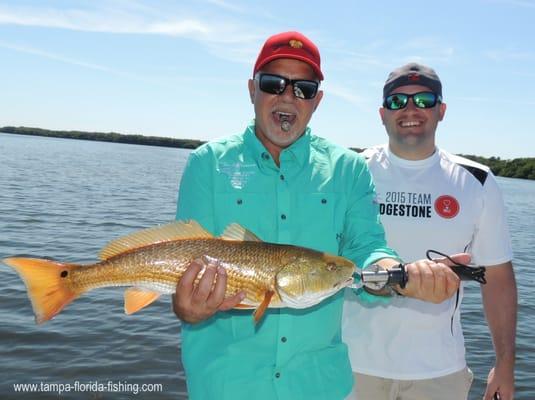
pixel 106 137
pixel 522 168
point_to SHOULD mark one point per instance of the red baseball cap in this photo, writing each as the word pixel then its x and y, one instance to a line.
pixel 293 45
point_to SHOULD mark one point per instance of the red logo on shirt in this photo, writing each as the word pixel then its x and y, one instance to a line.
pixel 447 206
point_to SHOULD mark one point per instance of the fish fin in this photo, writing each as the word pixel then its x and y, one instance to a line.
pixel 237 232
pixel 135 299
pixel 163 233
pixel 46 284
pixel 259 312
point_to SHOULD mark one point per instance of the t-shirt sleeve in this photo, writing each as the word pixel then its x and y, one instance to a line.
pixel 491 244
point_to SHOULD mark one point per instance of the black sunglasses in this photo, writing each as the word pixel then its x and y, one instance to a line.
pixel 397 101
pixel 276 84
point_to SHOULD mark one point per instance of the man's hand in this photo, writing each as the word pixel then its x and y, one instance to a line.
pixel 433 281
pixel 195 303
pixel 502 382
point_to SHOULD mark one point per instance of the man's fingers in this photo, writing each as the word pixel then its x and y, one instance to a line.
pixel 447 282
pixel 217 295
pixel 459 258
pixel 452 281
pixel 431 281
pixel 440 283
pixel 196 302
pixel 185 285
pixel 232 301
pixel 428 289
pixel 193 303
pixel 204 288
pixel 489 393
pixel 413 273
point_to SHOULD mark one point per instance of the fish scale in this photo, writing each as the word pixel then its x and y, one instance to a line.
pixel 249 266
pixel 151 262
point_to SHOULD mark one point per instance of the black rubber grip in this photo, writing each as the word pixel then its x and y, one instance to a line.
pixel 398 276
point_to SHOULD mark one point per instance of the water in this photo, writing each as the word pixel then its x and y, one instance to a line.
pixel 64 199
pixel 518 196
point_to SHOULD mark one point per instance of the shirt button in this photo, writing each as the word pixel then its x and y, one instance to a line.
pixel 239 201
pixel 282 177
pixel 323 201
pixel 265 156
pixel 283 216
pixel 278 375
pixel 283 339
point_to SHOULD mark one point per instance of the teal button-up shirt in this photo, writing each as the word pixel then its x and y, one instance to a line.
pixel 321 197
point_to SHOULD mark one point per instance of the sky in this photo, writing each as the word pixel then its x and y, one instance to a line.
pixel 180 68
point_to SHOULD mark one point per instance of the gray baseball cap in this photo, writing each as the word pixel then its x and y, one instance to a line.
pixel 413 74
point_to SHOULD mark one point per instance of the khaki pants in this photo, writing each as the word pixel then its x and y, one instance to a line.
pixel 449 387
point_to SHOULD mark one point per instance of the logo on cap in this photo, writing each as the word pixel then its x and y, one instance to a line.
pixel 296 44
pixel 413 77
pixel 447 206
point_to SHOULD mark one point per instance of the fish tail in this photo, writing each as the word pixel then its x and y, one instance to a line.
pixel 47 284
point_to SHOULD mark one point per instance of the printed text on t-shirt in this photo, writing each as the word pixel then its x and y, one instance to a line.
pixel 406 204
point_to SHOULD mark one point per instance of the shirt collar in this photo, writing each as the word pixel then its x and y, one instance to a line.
pixel 432 159
pixel 297 152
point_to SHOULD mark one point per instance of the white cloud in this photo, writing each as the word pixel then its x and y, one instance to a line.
pixel 178 28
pixel 71 61
pixel 240 45
pixel 382 55
pixel 41 53
pixel 137 19
pixel 100 20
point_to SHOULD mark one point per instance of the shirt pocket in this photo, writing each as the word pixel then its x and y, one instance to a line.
pixel 320 229
pixel 248 209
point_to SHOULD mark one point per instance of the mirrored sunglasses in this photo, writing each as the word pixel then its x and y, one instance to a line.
pixel 397 101
pixel 276 84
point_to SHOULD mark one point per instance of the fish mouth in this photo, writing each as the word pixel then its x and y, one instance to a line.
pixel 309 299
pixel 346 283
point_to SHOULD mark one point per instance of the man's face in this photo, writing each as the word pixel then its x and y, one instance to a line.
pixel 272 109
pixel 411 128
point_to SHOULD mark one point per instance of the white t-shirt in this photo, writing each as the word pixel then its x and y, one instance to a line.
pixel 445 203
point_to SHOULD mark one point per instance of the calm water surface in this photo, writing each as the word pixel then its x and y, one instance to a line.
pixel 65 199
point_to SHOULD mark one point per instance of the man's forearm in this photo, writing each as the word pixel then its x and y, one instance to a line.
pixel 500 305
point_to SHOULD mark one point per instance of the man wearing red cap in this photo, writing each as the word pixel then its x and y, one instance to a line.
pixel 431 199
pixel 289 186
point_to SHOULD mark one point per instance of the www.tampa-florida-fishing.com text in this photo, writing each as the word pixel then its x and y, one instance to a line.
pixel 89 387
